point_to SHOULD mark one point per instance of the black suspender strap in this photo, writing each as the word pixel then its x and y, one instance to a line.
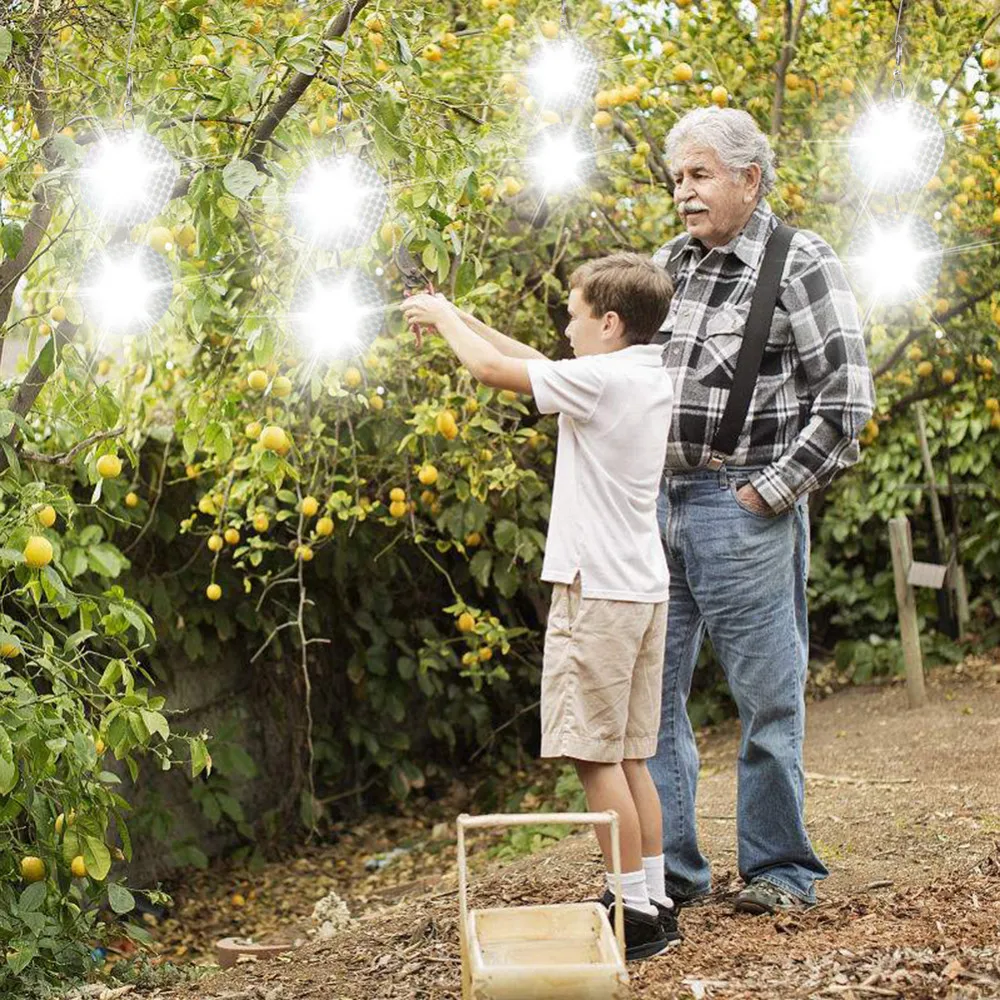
pixel 758 326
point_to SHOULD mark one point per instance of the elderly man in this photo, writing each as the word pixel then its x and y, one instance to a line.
pixel 733 507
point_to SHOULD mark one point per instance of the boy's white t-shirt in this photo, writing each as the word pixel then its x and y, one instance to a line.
pixel 614 415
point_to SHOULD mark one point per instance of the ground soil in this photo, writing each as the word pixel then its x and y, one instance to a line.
pixel 903 806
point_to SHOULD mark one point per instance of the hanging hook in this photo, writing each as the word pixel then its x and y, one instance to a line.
pixel 898 89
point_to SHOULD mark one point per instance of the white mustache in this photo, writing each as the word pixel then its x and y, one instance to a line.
pixel 692 206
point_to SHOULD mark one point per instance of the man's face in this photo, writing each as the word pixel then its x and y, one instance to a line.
pixel 714 201
pixel 589 334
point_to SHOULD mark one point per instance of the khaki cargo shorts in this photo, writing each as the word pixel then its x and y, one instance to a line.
pixel 601 677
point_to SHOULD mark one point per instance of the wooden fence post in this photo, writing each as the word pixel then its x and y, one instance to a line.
pixel 902 559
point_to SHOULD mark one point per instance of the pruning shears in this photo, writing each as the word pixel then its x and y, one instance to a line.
pixel 413 281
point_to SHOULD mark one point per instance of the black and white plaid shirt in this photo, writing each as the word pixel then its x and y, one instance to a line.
pixel 815 390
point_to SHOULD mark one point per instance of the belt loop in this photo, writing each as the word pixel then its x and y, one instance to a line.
pixel 723 478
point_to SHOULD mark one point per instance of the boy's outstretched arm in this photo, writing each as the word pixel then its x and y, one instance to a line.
pixel 485 362
pixel 504 344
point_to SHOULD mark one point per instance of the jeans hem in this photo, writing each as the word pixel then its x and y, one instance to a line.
pixel 779 883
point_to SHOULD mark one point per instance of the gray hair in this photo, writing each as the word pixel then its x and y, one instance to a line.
pixel 734 136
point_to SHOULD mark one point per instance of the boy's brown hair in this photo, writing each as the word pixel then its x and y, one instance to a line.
pixel 628 284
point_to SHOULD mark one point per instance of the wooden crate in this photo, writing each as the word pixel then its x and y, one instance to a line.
pixel 563 951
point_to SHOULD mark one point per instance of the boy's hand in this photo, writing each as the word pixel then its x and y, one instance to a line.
pixel 425 309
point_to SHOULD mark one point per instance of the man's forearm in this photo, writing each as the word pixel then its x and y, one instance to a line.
pixel 504 344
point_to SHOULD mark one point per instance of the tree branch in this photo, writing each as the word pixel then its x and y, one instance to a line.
pixel 297 87
pixel 968 55
pixel 41 212
pixel 900 348
pixel 67 458
pixel 793 22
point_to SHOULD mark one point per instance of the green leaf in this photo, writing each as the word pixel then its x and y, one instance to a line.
pixel 11 238
pixel 20 955
pixel 33 897
pixel 240 177
pixel 155 723
pixel 200 760
pixel 5 45
pixel 47 357
pixel 430 257
pixel 7 421
pixel 505 535
pixel 97 857
pixel 121 900
pixel 8 776
pixel 480 566
pixel 229 207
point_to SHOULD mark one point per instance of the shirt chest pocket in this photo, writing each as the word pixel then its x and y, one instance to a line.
pixel 724 335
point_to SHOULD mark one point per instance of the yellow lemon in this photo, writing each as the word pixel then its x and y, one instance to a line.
pixel 32 869
pixel 252 429
pixel 78 867
pixel 8 650
pixel 304 552
pixel 310 505
pixel 682 72
pixel 131 499
pixel 719 96
pixel 273 438
pixel 506 22
pixel 198 60
pixel 602 119
pixel 397 508
pixel 46 516
pixel 64 821
pixel 432 53
pixel 446 426
pixel 485 653
pixel 466 623
pixel 58 314
pixel 260 521
pixel 428 475
pixel 281 386
pixel 550 29
pixel 109 466
pixel 160 239
pixel 397 495
pixel 324 527
pixel 185 235
pixel 472 539
pixel 38 552
pixel 924 369
pixel 352 378
pixel 213 592
pixel 948 376
pixel 215 543
pixel 232 536
pixel 257 380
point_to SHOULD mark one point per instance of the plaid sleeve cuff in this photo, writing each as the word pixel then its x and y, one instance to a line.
pixel 778 494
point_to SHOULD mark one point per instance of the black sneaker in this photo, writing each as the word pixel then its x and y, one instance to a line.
pixel 668 921
pixel 644 934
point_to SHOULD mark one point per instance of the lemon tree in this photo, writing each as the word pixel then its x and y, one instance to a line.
pixel 369 532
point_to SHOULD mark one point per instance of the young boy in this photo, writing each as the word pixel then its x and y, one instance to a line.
pixel 604 641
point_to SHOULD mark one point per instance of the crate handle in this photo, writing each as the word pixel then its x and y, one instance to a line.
pixel 609 818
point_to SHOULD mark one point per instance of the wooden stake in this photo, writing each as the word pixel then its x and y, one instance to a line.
pixel 951 558
pixel 901 547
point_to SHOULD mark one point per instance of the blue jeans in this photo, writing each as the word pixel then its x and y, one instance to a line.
pixel 741 577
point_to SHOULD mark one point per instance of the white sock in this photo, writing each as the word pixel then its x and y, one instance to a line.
pixel 634 892
pixel 653 870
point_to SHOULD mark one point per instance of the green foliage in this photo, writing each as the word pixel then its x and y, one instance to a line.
pixel 403 687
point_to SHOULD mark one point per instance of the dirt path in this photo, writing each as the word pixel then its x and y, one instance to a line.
pixel 904 808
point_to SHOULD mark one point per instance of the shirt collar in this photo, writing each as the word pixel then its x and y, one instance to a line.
pixel 749 244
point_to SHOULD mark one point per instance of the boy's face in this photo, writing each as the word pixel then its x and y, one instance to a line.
pixel 589 334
